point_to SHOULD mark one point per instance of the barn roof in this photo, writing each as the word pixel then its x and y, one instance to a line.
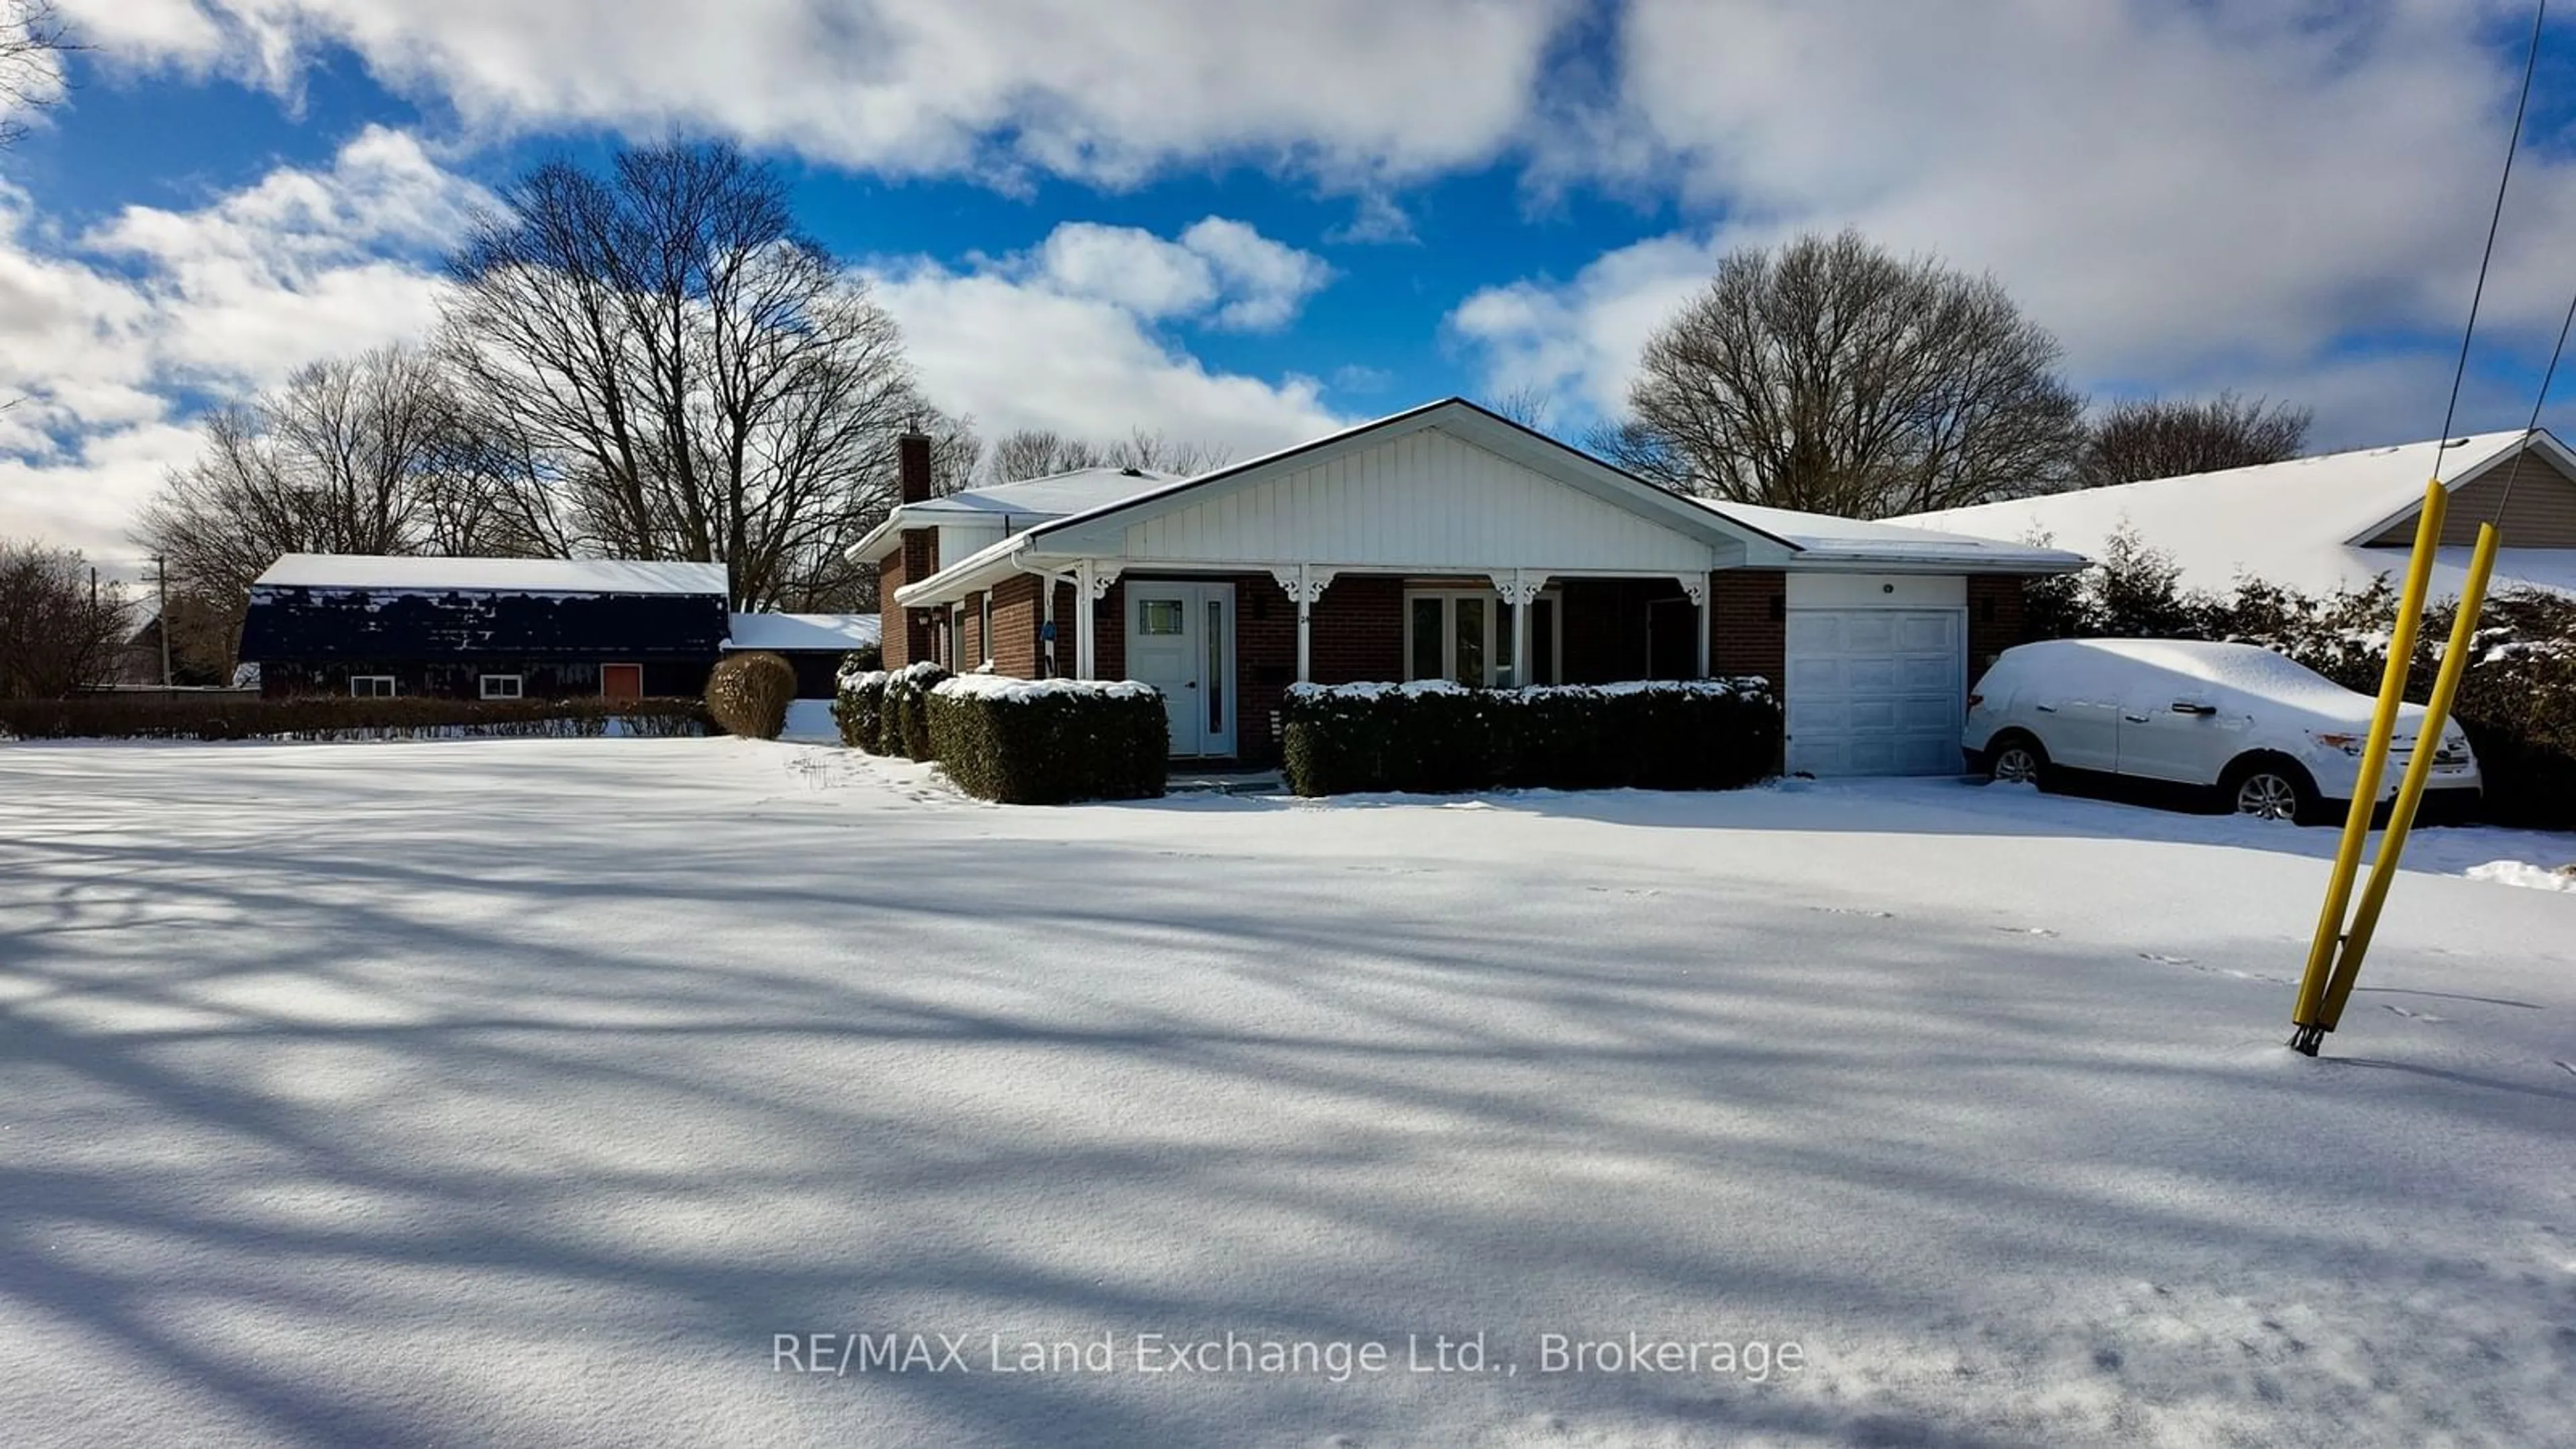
pixel 382 573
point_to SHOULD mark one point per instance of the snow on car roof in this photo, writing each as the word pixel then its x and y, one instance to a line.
pixel 493 575
pixel 2249 667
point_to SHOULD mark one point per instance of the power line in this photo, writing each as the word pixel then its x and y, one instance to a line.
pixel 2530 67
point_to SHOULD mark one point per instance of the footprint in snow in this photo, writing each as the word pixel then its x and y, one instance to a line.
pixel 1855 911
pixel 1624 890
pixel 2412 1015
pixel 2026 930
pixel 2167 960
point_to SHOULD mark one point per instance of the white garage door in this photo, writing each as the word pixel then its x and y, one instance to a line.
pixel 1875 691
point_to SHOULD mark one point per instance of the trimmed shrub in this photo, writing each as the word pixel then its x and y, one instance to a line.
pixel 330 717
pixel 1049 741
pixel 748 694
pixel 1433 736
pixel 859 707
pixel 904 728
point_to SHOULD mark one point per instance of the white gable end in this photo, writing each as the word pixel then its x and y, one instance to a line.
pixel 1424 500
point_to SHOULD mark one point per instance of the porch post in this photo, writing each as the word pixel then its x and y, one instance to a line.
pixel 1085 648
pixel 1524 604
pixel 1304 583
pixel 1305 624
pixel 1696 586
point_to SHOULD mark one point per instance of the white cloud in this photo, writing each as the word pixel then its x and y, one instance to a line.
pixel 2232 194
pixel 107 338
pixel 1223 273
pixel 1020 347
pixel 1353 89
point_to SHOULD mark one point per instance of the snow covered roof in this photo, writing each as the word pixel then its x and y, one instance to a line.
pixel 802 632
pixel 1056 495
pixel 1824 541
pixel 2302 524
pixel 493 575
pixel 1028 501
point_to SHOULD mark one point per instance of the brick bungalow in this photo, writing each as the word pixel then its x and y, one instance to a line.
pixel 1447 542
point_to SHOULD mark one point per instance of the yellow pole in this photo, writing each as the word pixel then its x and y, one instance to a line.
pixel 2410 796
pixel 2374 767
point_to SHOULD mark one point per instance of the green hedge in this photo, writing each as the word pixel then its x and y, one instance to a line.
pixel 1046 742
pixel 859 707
pixel 1708 734
pixel 904 726
pixel 748 694
pixel 232 717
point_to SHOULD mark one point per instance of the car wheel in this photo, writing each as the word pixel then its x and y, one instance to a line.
pixel 2017 759
pixel 2272 790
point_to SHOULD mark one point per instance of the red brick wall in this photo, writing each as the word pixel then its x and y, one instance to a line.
pixel 1265 662
pixel 1746 636
pixel 1014 646
pixel 906 638
pixel 1357 631
pixel 1109 627
pixel 1997 619
pixel 971 649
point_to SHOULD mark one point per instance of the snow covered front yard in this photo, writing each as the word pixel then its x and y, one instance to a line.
pixel 574 1092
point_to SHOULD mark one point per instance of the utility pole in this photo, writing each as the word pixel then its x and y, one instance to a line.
pixel 161 620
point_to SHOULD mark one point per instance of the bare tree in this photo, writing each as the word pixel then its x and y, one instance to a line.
pixel 669 368
pixel 1038 452
pixel 32 45
pixel 367 454
pixel 2161 438
pixel 60 627
pixel 1528 405
pixel 1833 377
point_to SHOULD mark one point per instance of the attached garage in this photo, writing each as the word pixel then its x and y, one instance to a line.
pixel 1876 673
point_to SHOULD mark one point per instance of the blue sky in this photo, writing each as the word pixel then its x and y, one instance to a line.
pixel 1410 198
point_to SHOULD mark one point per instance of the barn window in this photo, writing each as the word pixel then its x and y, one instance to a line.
pixel 371 686
pixel 502 686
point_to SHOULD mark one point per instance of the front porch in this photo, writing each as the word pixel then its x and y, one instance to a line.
pixel 1223 647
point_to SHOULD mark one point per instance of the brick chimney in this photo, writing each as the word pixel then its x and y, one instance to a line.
pixel 912 465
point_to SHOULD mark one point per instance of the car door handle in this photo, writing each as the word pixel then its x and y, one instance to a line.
pixel 2135 718
pixel 2045 708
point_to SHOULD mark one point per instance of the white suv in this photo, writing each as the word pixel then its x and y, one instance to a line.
pixel 2274 738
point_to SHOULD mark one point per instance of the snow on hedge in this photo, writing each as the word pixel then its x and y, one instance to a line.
pixel 1019 691
pixel 850 678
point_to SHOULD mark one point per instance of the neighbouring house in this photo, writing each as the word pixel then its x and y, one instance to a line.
pixel 490 628
pixel 815 644
pixel 2320 524
pixel 1447 543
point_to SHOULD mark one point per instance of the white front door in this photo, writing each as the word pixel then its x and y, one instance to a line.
pixel 1180 639
pixel 1875 691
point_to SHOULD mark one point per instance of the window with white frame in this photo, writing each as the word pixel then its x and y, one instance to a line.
pixel 371 686
pixel 1471 636
pixel 502 686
